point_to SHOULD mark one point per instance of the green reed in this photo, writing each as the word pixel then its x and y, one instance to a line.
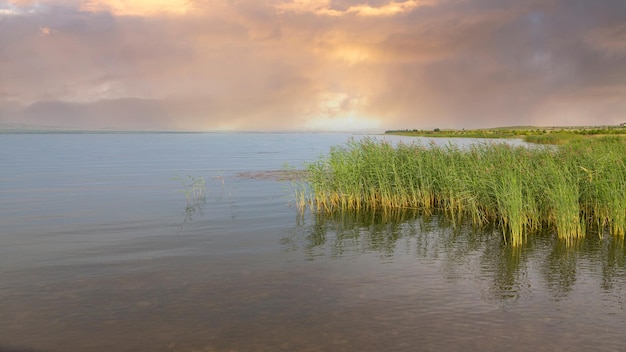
pixel 564 189
pixel 194 188
pixel 555 138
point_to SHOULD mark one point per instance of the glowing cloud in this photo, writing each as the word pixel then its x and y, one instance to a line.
pixel 323 8
pixel 8 12
pixel 352 55
pixel 45 31
pixel 138 7
pixel 21 2
pixel 17 7
pixel 393 8
pixel 339 112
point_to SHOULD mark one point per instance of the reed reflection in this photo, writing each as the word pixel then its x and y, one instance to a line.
pixel 613 263
pixel 505 273
pixel 345 233
pixel 560 267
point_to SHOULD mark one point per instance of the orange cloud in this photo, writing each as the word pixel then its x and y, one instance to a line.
pixel 393 8
pixel 138 7
pixel 45 31
pixel 21 2
pixel 323 8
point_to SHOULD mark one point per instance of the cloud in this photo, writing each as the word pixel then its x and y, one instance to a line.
pixel 324 8
pixel 8 12
pixel 138 7
pixel 45 30
pixel 609 39
pixel 318 64
pixel 390 9
pixel 22 2
pixel 14 7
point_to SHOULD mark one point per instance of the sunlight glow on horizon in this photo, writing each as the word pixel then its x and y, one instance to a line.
pixel 343 123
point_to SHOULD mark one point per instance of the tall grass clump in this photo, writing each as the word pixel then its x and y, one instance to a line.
pixel 564 189
pixel 601 167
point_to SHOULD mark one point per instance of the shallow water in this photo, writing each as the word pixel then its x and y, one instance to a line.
pixel 100 251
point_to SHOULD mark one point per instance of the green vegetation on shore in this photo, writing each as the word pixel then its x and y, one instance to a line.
pixel 568 190
pixel 540 135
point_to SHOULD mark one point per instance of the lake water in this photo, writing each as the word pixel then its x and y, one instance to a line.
pixel 101 251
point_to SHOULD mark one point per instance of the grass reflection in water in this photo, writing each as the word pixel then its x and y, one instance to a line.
pixel 465 252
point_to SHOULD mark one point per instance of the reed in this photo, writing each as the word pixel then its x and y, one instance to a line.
pixel 564 189
pixel 555 138
pixel 194 188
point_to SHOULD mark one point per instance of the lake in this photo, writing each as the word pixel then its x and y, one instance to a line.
pixel 100 250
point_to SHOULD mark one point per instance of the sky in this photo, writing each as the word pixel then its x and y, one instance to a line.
pixel 312 64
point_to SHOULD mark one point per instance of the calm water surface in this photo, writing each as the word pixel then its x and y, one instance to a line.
pixel 101 251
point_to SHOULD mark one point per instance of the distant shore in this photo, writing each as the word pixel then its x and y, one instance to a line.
pixel 533 134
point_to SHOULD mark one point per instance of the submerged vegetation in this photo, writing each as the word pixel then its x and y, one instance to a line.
pixel 195 192
pixel 569 190
pixel 194 188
